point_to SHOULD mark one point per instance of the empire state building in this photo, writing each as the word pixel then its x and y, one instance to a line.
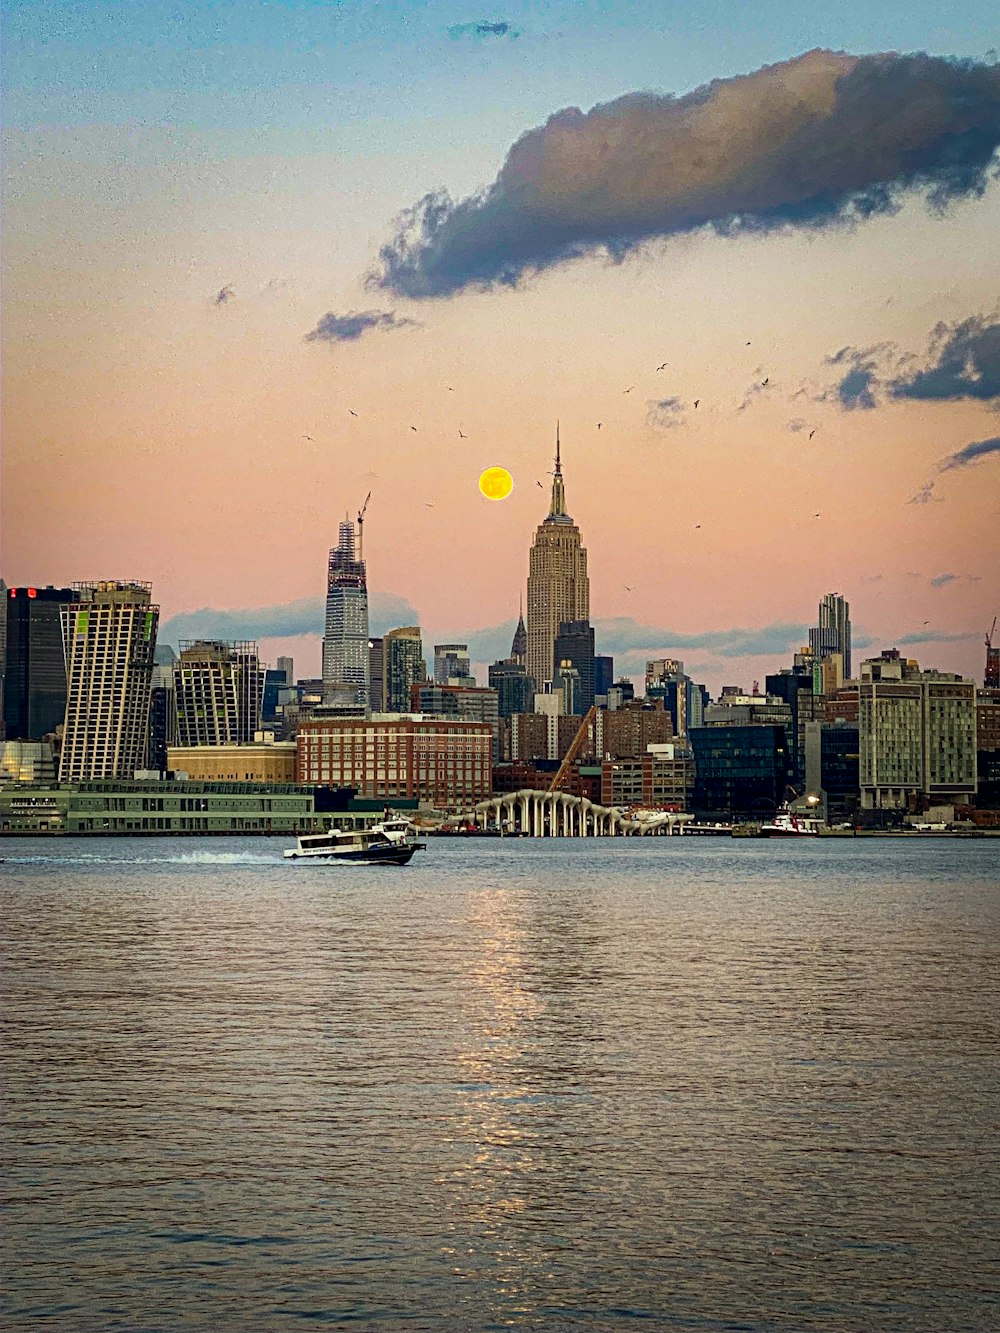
pixel 558 586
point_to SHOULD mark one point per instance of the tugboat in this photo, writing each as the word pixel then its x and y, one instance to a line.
pixel 391 843
pixel 786 825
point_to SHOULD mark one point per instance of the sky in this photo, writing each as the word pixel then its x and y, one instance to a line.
pixel 261 260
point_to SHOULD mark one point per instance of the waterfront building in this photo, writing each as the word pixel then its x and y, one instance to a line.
pixel 170 807
pixel 833 633
pixel 832 772
pixel 33 662
pixel 451 663
pixel 575 645
pixel 471 702
pixel 661 778
pixel 218 693
pixel 917 735
pixel 109 637
pixel 558 586
pixel 796 687
pixel 345 635
pixel 261 760
pixel 402 667
pixel 740 771
pixel 444 761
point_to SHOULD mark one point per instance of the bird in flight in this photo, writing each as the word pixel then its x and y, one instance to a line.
pixel 428 504
pixel 817 515
pixel 765 382
pixel 449 388
pixel 629 389
pixel 539 484
pixel 461 436
pixel 927 622
pixel 663 367
pixel 628 589
pixel 697 525
pixel 812 433
pixel 309 438
pixel 413 428
pixel 600 424
pixel 697 401
pixel 748 342
pixel 352 411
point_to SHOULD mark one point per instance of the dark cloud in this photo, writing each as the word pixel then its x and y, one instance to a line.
pixel 934 636
pixel 825 138
pixel 857 388
pixel 623 634
pixel 942 580
pixel 304 616
pixel 964 363
pixel 223 295
pixel 797 425
pixel 349 328
pixel 664 413
pixel 972 453
pixel 483 29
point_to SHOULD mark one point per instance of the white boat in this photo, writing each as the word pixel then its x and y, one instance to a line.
pixel 392 842
pixel 786 825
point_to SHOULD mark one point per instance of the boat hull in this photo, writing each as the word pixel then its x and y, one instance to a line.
pixel 393 856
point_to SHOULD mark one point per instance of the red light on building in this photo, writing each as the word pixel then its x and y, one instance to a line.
pixel 32 592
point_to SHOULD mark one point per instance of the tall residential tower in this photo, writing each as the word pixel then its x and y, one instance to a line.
pixel 109 636
pixel 345 637
pixel 558 586
pixel 833 635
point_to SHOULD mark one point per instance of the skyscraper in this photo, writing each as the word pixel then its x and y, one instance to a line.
pixel 345 637
pixel 34 699
pixel 451 662
pixel 403 667
pixel 109 638
pixel 575 645
pixel 833 634
pixel 558 586
pixel 219 690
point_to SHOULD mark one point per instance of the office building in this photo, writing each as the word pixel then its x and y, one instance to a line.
pixel 34 665
pixel 402 667
pixel 109 637
pixel 218 692
pixel 451 663
pixel 558 586
pixel 287 666
pixel 575 645
pixel 662 778
pixel 832 767
pixel 470 702
pixel 441 760
pixel 740 771
pixel 515 688
pixel 345 636
pixel 833 633
pixel 682 698
pixel 917 735
pixel 604 677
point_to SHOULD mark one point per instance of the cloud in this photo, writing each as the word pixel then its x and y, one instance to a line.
pixel 223 295
pixel 934 636
pixel 349 328
pixel 483 29
pixel 287 620
pixel 797 425
pixel 753 391
pixel 942 580
pixel 664 413
pixel 822 139
pixel 925 496
pixel 964 363
pixel 856 391
pixel 622 634
pixel 972 453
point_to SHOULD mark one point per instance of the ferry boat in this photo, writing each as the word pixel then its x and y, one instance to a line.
pixel 391 842
pixel 786 825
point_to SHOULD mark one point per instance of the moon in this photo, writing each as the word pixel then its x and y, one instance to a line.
pixel 496 483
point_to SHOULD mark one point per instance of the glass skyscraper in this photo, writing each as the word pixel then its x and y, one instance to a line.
pixel 345 636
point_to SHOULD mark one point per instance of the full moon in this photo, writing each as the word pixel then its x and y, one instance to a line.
pixel 496 483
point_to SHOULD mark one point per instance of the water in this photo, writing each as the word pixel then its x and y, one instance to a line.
pixel 620 1084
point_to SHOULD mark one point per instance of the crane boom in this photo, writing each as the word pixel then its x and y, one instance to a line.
pixel 361 527
pixel 574 748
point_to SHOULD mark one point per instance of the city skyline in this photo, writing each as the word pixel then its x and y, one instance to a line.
pixel 210 295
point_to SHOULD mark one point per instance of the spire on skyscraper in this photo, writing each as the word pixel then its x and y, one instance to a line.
pixel 519 647
pixel 557 509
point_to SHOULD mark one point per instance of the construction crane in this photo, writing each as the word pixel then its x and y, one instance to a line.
pixel 361 527
pixel 992 677
pixel 574 749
